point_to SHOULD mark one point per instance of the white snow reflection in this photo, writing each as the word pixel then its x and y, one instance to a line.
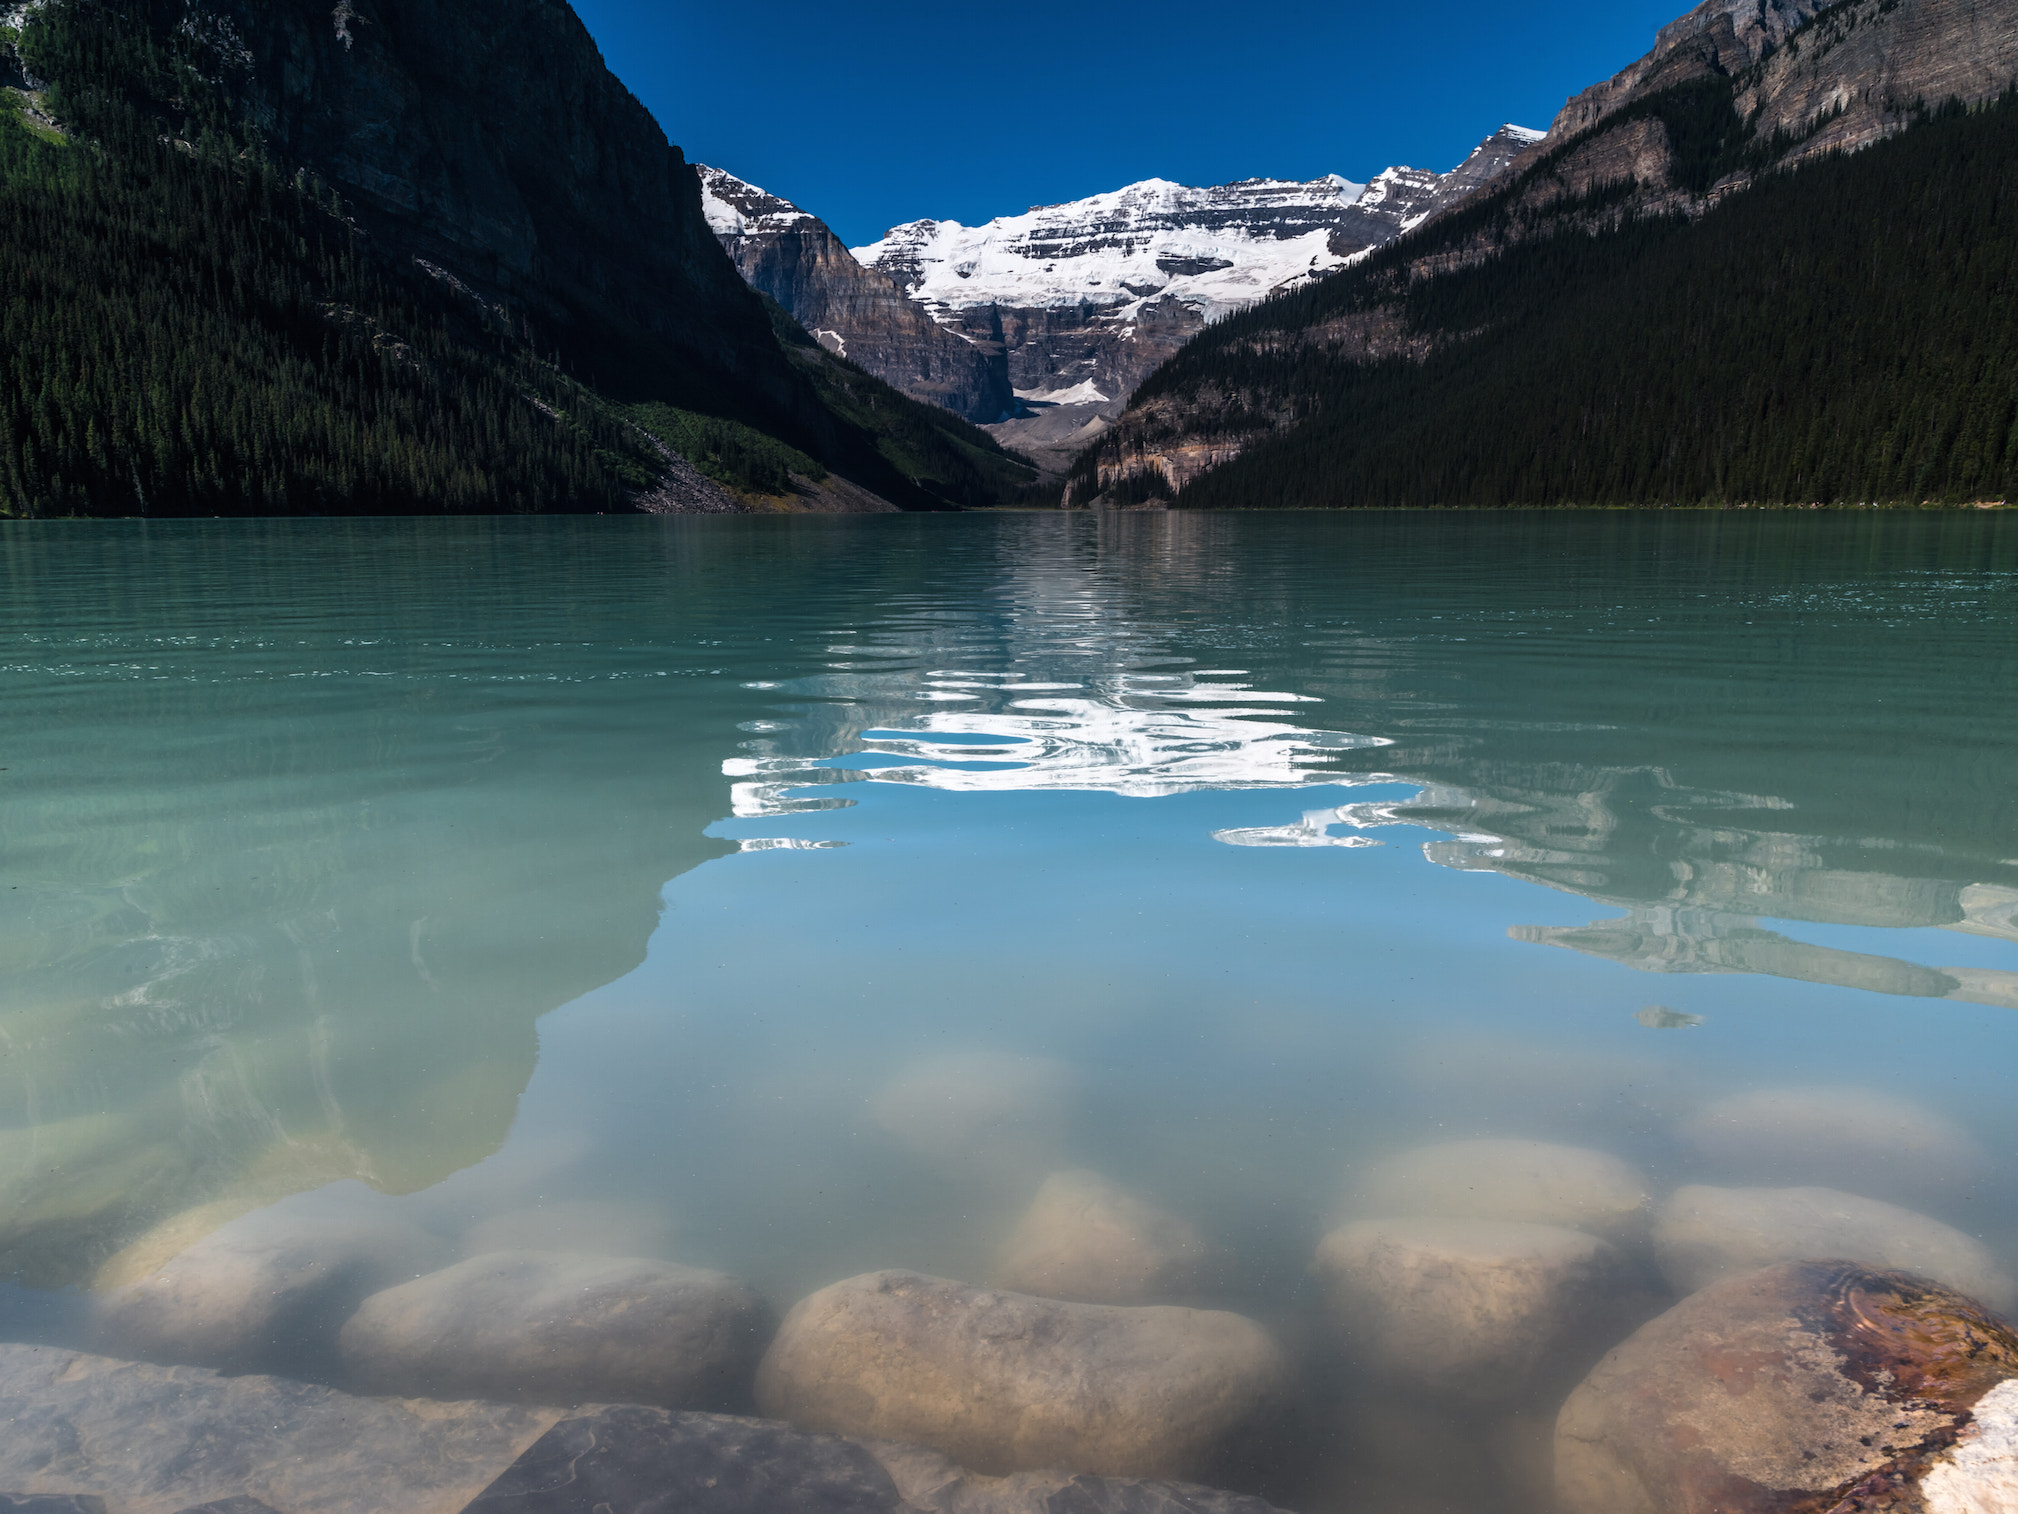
pixel 1142 735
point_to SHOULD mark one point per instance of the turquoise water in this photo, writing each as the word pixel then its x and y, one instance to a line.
pixel 638 874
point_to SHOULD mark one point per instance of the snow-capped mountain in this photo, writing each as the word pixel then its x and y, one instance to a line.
pixel 1088 297
pixel 859 313
pixel 1070 306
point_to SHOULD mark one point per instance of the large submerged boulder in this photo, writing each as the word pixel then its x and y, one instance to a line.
pixel 555 1328
pixel 1477 1310
pixel 1705 1234
pixel 1856 1139
pixel 1085 1239
pixel 1003 1382
pixel 1534 1182
pixel 1821 1386
pixel 264 1290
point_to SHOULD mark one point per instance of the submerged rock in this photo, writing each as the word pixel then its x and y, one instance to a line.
pixel 547 1327
pixel 632 1460
pixel 1474 1310
pixel 1805 1386
pixel 983 1116
pixel 628 1459
pixel 1851 1138
pixel 587 1227
pixel 1534 1182
pixel 932 1483
pixel 1003 1382
pixel 1087 1240
pixel 1705 1234
pixel 264 1290
pixel 157 1440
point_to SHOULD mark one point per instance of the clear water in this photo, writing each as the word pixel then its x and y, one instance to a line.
pixel 605 876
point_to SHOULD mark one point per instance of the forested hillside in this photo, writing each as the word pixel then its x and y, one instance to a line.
pixel 1844 331
pixel 191 324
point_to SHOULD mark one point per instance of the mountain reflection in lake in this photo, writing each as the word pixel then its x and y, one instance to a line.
pixel 796 897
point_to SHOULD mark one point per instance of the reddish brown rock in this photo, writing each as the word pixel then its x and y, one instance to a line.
pixel 1807 1388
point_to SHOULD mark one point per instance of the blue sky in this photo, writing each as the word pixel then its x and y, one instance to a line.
pixel 874 114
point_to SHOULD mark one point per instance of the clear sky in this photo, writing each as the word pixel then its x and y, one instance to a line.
pixel 872 114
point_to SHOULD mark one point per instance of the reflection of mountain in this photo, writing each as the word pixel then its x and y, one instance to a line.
pixel 1139 734
pixel 1788 720
pixel 286 887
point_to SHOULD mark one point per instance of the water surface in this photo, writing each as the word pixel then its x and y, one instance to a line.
pixel 628 873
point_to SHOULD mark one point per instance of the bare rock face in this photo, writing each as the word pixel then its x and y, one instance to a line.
pixel 259 1291
pixel 1856 1139
pixel 1530 1181
pixel 1858 72
pixel 545 1327
pixel 1704 1235
pixel 1475 1310
pixel 1085 1239
pixel 1807 1386
pixel 1718 36
pixel 1002 1382
pixel 859 313
pixel 491 143
pixel 159 1440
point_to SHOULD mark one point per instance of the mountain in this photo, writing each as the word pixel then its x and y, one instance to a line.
pixel 265 256
pixel 1087 298
pixel 1761 265
pixel 856 312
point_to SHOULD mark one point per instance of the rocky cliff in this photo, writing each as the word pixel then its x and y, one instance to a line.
pixel 1804 77
pixel 1731 93
pixel 855 312
pixel 1087 298
pixel 490 142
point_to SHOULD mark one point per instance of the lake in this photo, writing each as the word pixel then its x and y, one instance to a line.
pixel 794 896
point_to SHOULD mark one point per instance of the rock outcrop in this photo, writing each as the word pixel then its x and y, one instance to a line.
pixel 855 312
pixel 1002 1382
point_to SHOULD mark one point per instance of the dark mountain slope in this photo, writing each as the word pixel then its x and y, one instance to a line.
pixel 406 255
pixel 1844 333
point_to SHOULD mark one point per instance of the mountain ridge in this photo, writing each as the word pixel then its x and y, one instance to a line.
pixel 1714 108
pixel 854 311
pixel 403 255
